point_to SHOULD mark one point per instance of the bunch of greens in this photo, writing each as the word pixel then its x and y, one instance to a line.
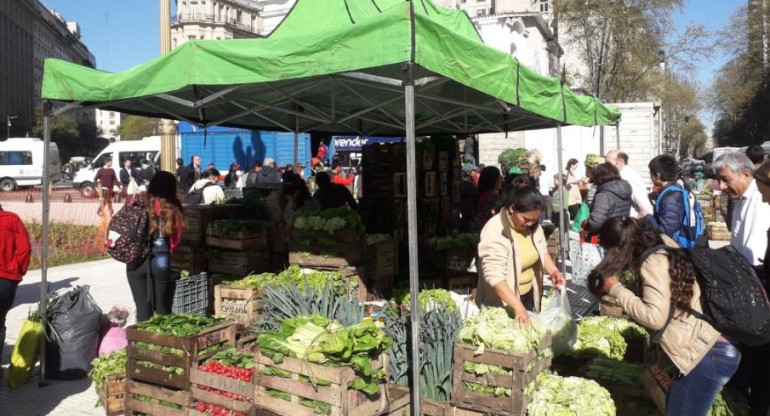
pixel 630 330
pixel 597 339
pixel 431 299
pixel 329 220
pixel 319 408
pixel 180 325
pixel 512 157
pixel 319 340
pixel 629 373
pixel 493 328
pixel 229 228
pixel 295 275
pixel 729 403
pixel 287 301
pixel 569 396
pixel 234 358
pixel 593 160
pixel 50 315
pixel 372 239
pixel 460 241
pixel 439 328
pixel 107 365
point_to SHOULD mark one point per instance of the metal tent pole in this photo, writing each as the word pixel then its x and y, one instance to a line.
pixel 296 141
pixel 562 220
pixel 47 106
pixel 617 134
pixel 414 284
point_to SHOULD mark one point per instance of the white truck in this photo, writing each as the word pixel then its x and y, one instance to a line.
pixel 136 150
pixel 21 163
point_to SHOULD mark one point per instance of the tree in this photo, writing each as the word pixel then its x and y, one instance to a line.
pixel 72 137
pixel 137 127
pixel 681 101
pixel 740 93
pixel 620 42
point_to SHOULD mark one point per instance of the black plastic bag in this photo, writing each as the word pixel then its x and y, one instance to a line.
pixel 75 343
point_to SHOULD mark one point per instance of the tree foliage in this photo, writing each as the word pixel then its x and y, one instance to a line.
pixel 681 99
pixel 739 96
pixel 72 137
pixel 619 42
pixel 137 127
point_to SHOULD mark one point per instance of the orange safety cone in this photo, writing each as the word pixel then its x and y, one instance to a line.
pixel 29 197
pixel 67 197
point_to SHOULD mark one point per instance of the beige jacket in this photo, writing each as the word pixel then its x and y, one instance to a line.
pixel 687 339
pixel 497 254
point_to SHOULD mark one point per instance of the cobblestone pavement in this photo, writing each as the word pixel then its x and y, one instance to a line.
pixel 109 287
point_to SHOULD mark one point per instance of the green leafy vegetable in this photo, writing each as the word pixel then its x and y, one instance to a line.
pixel 460 241
pixel 600 336
pixel 328 220
pixel 557 396
pixel 493 328
pixel 432 298
pixel 181 325
pixel 107 365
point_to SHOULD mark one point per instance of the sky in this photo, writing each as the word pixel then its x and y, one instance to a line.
pixel 125 33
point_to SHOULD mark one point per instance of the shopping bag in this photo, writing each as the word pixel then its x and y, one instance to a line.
pixel 556 316
pixel 131 188
pixel 25 353
pixel 582 215
pixel 584 257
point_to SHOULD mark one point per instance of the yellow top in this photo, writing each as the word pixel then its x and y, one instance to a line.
pixel 528 258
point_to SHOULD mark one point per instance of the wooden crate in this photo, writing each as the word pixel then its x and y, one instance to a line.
pixel 247 309
pixel 191 347
pixel 157 394
pixel 462 283
pixel 343 401
pixel 609 306
pixel 381 259
pixel 243 240
pixel 719 233
pixel 400 401
pixel 112 394
pixel 656 383
pixel 198 218
pixel 239 263
pixel 188 258
pixel 525 369
pixel 343 248
pixel 431 184
pixel 459 260
pixel 200 378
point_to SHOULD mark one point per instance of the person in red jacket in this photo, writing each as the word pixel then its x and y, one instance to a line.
pixel 14 251
pixel 338 178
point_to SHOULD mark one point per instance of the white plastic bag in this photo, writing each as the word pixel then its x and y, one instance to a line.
pixel 556 316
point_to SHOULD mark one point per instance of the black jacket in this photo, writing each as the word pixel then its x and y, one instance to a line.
pixel 613 199
pixel 125 178
pixel 267 176
pixel 669 216
pixel 334 195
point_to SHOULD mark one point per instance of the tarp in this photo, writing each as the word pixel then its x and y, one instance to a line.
pixel 318 66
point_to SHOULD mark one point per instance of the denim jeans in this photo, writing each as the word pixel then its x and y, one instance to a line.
pixel 693 394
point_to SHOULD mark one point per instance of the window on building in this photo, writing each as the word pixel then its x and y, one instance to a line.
pixel 544 6
pixel 191 37
pixel 238 16
pixel 112 122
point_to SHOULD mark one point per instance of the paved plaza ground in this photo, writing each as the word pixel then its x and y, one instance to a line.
pixel 109 287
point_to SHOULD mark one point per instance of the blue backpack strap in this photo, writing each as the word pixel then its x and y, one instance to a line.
pixel 682 240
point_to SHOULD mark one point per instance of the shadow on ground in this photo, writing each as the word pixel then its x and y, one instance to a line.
pixel 29 293
pixel 32 399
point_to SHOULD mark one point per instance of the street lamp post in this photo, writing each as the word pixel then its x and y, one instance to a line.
pixel 8 125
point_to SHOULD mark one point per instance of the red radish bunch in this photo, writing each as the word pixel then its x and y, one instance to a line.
pixel 215 410
pixel 229 371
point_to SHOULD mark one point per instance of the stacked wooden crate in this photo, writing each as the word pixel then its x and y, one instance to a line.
pixel 237 247
pixel 243 304
pixel 523 369
pixel 380 268
pixel 158 368
pixel 190 254
pixel 112 394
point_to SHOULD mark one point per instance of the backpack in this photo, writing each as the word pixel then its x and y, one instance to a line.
pixel 195 197
pixel 127 236
pixel 694 223
pixel 733 299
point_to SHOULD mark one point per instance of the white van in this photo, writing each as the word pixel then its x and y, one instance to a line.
pixel 21 163
pixel 136 150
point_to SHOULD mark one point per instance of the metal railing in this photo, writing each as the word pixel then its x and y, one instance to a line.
pixel 211 19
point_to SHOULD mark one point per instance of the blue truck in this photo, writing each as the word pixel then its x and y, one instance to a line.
pixel 225 145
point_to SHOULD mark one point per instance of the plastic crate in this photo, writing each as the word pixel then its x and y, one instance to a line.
pixel 191 295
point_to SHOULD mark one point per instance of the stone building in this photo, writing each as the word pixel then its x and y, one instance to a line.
pixel 30 33
pixel 107 123
pixel 215 20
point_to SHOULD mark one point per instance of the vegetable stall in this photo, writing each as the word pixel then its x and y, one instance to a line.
pixel 376 81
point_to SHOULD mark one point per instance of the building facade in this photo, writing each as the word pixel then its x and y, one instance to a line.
pixel 30 33
pixel 215 20
pixel 107 123
pixel 273 12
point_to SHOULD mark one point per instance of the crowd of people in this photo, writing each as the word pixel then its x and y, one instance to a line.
pixel 643 231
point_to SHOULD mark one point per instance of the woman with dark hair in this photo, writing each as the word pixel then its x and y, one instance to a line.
pixel 612 199
pixel 701 360
pixel 297 195
pixel 513 255
pixel 573 186
pixel 490 182
pixel 231 179
pixel 165 224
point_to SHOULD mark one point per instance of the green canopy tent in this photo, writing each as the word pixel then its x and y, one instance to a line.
pixel 365 67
